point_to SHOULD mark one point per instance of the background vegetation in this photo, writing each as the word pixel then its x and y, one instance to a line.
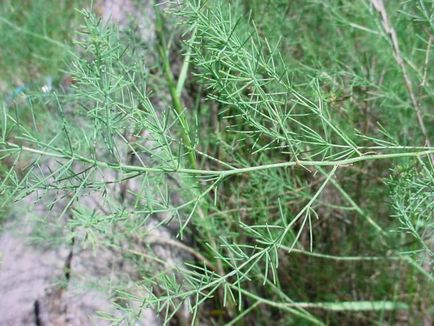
pixel 286 144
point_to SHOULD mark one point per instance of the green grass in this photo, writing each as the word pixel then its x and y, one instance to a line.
pixel 34 38
pixel 296 138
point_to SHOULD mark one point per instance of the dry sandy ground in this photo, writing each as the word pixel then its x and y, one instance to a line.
pixel 40 285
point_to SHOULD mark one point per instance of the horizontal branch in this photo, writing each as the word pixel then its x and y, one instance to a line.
pixel 220 173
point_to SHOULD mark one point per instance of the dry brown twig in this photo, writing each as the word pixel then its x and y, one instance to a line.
pixel 426 65
pixel 391 33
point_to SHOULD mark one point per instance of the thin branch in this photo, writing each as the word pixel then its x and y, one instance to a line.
pixel 220 173
pixel 175 95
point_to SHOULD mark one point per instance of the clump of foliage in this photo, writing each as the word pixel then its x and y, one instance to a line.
pixel 298 135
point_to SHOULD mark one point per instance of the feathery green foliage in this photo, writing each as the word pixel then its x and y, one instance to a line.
pixel 290 159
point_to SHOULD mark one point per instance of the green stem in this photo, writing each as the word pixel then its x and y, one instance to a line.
pixel 174 94
pixel 222 173
pixel 340 258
